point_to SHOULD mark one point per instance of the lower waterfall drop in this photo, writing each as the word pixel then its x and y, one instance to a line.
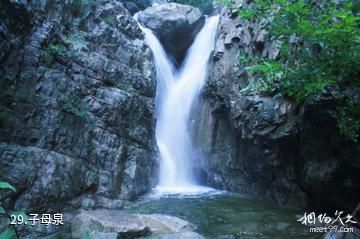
pixel 177 90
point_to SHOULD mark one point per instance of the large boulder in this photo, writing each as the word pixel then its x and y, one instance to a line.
pixel 111 224
pixel 176 26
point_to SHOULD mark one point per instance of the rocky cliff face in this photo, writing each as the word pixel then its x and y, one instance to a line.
pixel 77 120
pixel 77 105
pixel 290 153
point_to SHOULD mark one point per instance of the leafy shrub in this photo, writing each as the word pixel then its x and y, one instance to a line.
pixel 123 85
pixel 77 40
pixel 226 3
pixel 270 73
pixel 6 185
pixel 109 20
pixel 86 235
pixel 349 120
pixel 10 232
pixel 53 50
pixel 77 37
pixel 74 106
pixel 320 48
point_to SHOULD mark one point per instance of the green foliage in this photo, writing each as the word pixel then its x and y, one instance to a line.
pixel 320 49
pixel 74 106
pixel 92 146
pixel 226 3
pixel 6 185
pixel 75 38
pixel 270 73
pixel 53 50
pixel 8 233
pixel 349 120
pixel 247 60
pixel 321 45
pixel 109 20
pixel 123 85
pixel 205 6
pixel 86 235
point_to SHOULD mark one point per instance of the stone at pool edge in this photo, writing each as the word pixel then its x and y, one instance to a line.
pixel 115 224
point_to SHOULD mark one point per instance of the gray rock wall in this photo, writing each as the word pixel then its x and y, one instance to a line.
pixel 77 105
pixel 289 153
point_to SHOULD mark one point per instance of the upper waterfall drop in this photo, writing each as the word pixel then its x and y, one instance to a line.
pixel 177 90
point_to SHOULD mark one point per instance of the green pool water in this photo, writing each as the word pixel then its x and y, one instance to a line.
pixel 229 216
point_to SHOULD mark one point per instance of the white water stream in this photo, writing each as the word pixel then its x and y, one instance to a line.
pixel 177 90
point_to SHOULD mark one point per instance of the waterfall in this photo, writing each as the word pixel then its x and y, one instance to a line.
pixel 176 92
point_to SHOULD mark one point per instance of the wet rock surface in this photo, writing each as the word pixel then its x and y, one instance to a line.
pixel 176 26
pixel 77 92
pixel 290 153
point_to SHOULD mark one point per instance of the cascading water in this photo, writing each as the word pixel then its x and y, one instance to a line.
pixel 176 92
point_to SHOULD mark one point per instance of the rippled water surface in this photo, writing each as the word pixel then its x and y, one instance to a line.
pixel 221 215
